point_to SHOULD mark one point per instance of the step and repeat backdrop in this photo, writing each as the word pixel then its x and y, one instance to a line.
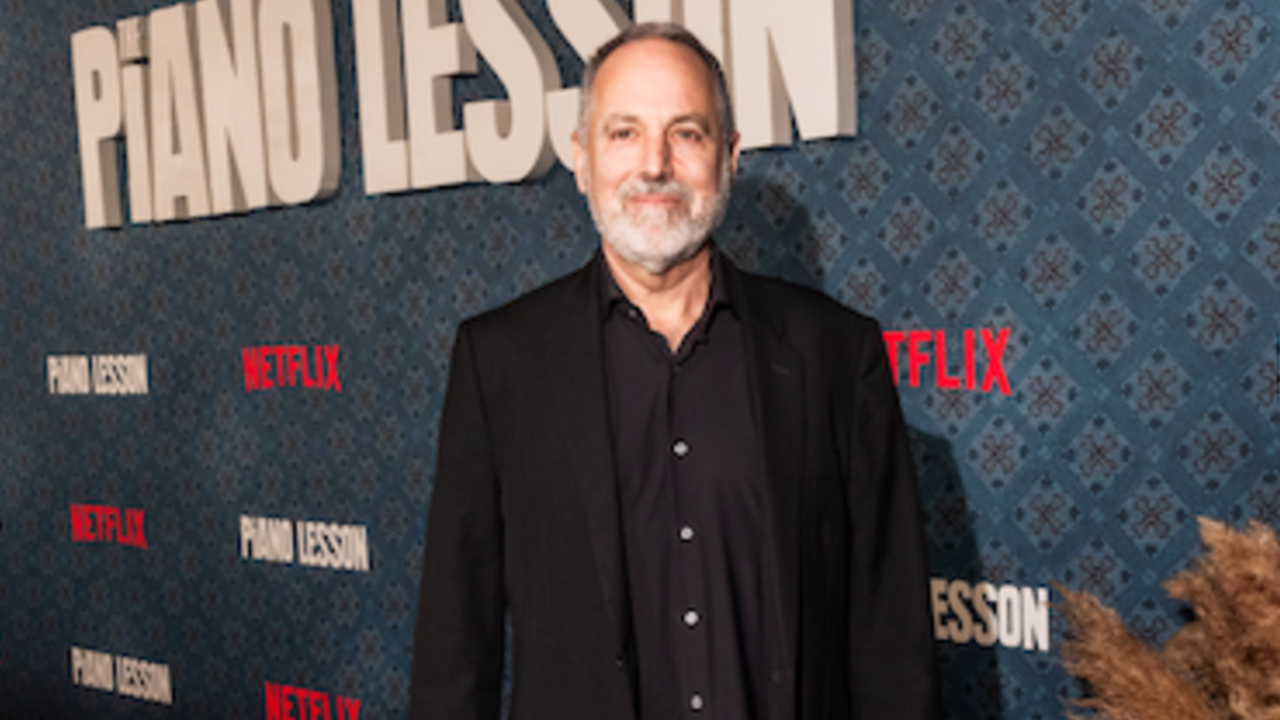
pixel 236 239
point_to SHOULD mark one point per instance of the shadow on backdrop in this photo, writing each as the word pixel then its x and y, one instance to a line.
pixel 796 248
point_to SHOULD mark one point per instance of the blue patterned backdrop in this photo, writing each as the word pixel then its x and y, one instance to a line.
pixel 1097 176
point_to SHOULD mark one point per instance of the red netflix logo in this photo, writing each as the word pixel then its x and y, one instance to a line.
pixel 102 523
pixel 273 366
pixel 920 342
pixel 285 702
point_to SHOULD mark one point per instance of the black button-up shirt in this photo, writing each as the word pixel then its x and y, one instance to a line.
pixel 690 479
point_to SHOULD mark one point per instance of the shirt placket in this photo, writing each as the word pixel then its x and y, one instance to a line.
pixel 692 621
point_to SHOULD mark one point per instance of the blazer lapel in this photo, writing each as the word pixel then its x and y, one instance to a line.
pixel 576 381
pixel 777 381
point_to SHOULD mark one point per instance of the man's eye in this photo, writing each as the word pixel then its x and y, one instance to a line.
pixel 621 134
pixel 688 134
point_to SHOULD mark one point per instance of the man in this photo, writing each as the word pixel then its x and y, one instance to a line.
pixel 689 488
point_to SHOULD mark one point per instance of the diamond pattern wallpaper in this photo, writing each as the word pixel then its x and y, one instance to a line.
pixel 1065 213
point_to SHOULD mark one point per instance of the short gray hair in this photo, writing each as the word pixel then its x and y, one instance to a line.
pixel 662 31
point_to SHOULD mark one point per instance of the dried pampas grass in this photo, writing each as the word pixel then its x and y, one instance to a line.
pixel 1223 665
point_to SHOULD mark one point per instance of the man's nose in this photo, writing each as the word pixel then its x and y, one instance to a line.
pixel 656 158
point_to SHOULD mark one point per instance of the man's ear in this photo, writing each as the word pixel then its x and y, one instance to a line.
pixel 579 162
pixel 735 147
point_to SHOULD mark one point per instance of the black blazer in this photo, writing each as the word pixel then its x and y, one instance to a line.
pixel 524 518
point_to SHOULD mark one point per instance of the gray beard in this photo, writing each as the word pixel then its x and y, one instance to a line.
pixel 652 239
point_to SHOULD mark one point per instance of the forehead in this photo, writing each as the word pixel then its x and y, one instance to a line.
pixel 653 76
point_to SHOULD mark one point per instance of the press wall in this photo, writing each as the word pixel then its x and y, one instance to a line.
pixel 1063 212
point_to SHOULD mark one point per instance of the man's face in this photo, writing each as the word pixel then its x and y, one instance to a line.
pixel 654 166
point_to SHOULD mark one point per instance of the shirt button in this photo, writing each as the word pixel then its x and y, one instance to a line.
pixel 691 618
pixel 695 702
pixel 686 533
pixel 681 448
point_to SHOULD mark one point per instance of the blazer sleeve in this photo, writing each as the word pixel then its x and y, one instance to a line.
pixel 892 660
pixel 459 639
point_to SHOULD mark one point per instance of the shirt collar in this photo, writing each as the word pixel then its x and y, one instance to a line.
pixel 611 296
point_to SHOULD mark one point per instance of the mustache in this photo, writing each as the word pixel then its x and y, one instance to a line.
pixel 669 187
